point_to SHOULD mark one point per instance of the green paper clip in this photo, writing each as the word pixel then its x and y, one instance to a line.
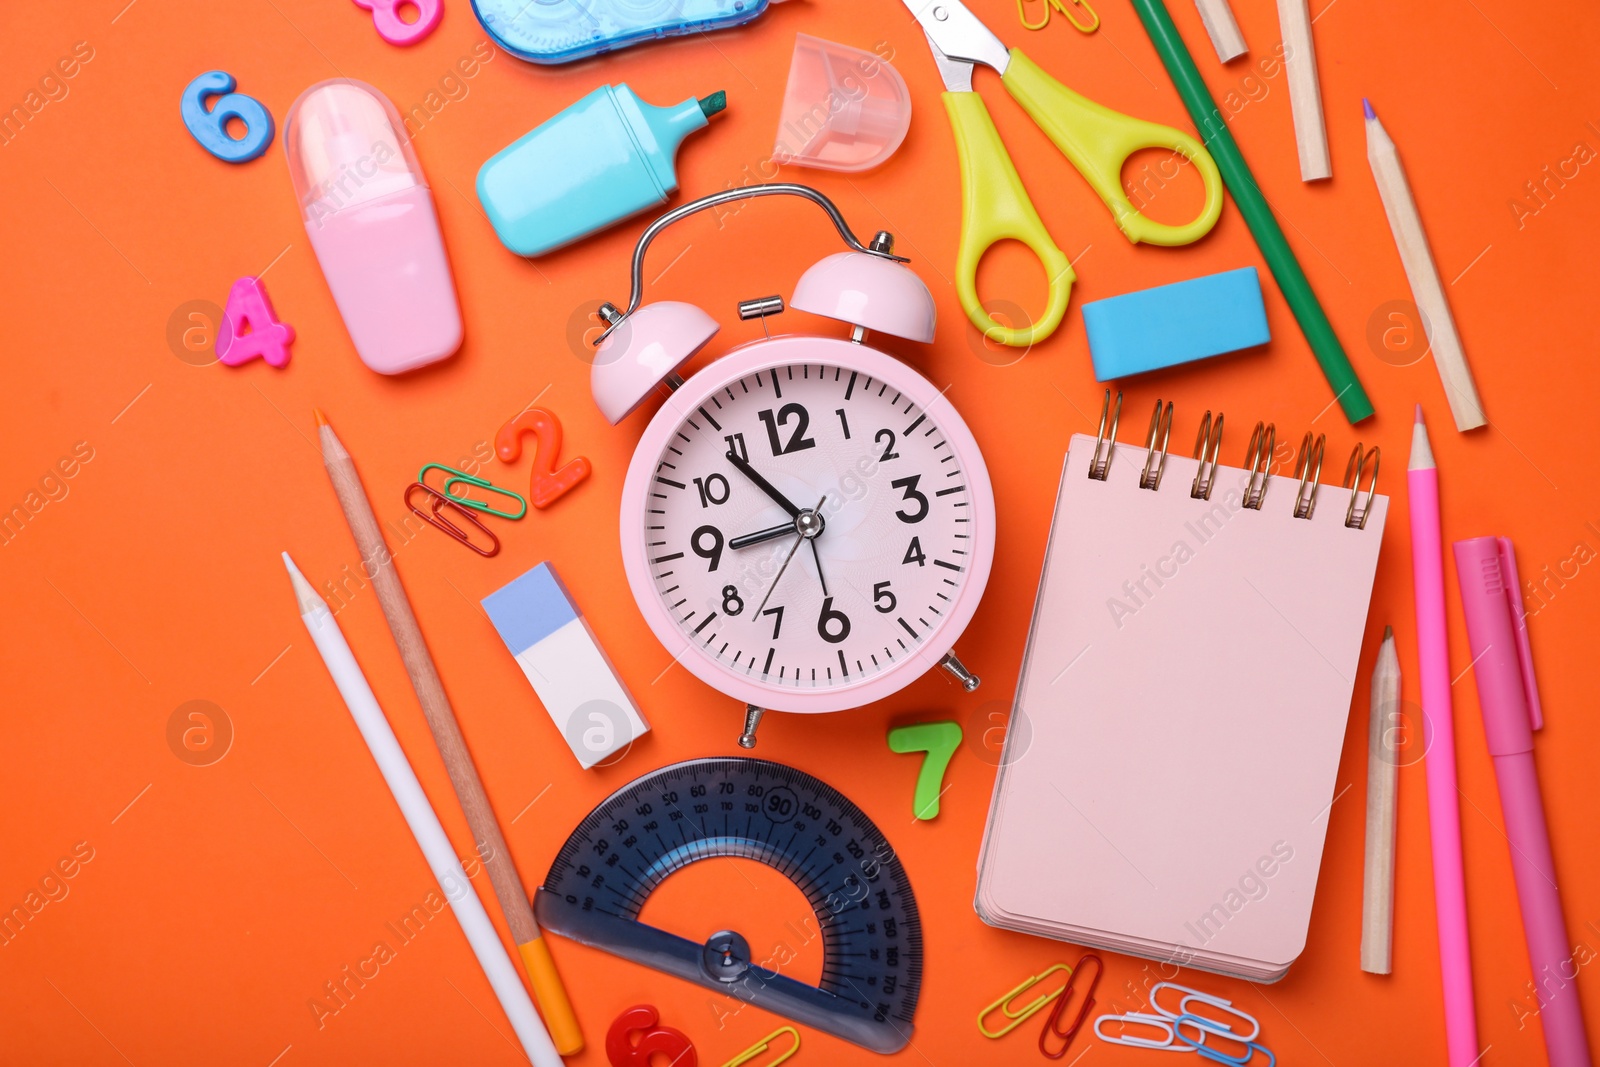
pixel 457 477
pixel 940 741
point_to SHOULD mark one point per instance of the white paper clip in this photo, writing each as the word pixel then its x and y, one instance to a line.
pixel 1162 1023
pixel 1204 1023
pixel 1225 1006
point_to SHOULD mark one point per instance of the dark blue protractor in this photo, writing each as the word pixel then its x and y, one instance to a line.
pixel 760 810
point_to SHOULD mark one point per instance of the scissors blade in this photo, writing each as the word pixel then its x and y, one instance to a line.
pixel 957 73
pixel 958 34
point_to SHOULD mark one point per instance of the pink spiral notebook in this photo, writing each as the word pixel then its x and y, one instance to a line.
pixel 1166 781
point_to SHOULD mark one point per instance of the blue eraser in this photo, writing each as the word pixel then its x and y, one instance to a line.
pixel 1175 324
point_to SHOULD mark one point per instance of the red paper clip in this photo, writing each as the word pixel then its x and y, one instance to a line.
pixel 1067 1035
pixel 434 518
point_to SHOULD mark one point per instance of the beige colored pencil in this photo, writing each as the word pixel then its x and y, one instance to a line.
pixel 1426 289
pixel 508 888
pixel 1222 28
pixel 1305 93
pixel 1377 893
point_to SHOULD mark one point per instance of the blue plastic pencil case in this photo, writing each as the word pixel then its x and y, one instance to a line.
pixel 1174 324
pixel 561 31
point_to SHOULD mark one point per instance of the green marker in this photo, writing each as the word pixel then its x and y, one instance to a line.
pixel 1253 206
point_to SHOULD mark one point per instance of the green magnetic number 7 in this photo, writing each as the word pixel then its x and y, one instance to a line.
pixel 940 741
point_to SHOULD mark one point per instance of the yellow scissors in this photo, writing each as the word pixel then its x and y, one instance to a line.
pixel 1095 139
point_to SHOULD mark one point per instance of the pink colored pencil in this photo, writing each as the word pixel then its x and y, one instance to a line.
pixel 1444 811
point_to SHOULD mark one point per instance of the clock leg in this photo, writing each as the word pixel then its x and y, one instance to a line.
pixel 968 680
pixel 752 719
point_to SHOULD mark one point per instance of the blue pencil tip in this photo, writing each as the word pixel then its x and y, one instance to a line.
pixel 1366 106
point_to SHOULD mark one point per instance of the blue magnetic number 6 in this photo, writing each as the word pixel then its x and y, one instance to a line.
pixel 210 128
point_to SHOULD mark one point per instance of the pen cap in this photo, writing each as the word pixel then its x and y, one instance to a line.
pixel 1497 635
pixel 608 156
pixel 346 146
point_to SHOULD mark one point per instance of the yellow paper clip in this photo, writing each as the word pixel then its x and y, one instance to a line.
pixel 1065 8
pixel 1019 1015
pixel 761 1046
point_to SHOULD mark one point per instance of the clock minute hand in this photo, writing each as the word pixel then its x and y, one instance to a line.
pixel 756 538
pixel 744 468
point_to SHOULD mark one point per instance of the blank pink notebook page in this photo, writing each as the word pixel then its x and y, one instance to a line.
pixel 1186 689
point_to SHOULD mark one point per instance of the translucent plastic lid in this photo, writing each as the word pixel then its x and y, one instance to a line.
pixel 843 109
pixel 346 145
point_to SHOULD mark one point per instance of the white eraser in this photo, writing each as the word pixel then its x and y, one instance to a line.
pixel 552 641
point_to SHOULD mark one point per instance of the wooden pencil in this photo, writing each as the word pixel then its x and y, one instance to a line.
pixel 1222 28
pixel 1305 94
pixel 1377 895
pixel 378 564
pixel 1426 289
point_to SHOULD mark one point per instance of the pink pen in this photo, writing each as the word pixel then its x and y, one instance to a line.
pixel 1444 810
pixel 372 225
pixel 1497 632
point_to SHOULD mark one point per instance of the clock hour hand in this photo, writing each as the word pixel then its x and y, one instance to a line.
pixel 744 468
pixel 746 540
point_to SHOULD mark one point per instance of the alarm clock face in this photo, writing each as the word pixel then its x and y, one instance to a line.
pixel 841 548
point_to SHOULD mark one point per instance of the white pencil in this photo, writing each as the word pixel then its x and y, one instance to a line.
pixel 1222 28
pixel 391 759
pixel 1377 895
pixel 1305 92
pixel 1426 289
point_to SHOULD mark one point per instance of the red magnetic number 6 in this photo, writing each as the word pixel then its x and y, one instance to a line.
pixel 623 1051
pixel 549 484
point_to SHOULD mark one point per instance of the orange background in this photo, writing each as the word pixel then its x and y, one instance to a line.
pixel 221 898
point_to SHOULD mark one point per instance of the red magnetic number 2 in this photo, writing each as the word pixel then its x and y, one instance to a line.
pixel 622 1051
pixel 548 484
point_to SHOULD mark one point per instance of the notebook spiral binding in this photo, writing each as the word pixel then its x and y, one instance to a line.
pixel 1362 465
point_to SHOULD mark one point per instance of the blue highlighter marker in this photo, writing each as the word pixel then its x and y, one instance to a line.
pixel 607 157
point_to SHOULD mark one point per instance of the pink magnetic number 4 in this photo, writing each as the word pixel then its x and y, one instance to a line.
pixel 549 484
pixel 252 329
pixel 396 30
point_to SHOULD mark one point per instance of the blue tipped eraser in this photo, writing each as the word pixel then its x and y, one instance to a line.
pixel 555 648
pixel 1175 324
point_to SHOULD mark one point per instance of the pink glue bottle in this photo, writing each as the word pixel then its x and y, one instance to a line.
pixel 372 225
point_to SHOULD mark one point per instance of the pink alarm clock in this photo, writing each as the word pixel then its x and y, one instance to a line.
pixel 807 523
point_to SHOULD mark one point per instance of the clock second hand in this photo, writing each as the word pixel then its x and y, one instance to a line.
pixel 800 536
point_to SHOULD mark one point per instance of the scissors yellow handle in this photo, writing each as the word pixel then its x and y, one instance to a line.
pixel 1099 141
pixel 995 208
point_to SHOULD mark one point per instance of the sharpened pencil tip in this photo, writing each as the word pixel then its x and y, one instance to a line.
pixel 1388 633
pixel 322 420
pixel 1366 108
pixel 304 595
pixel 1421 447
